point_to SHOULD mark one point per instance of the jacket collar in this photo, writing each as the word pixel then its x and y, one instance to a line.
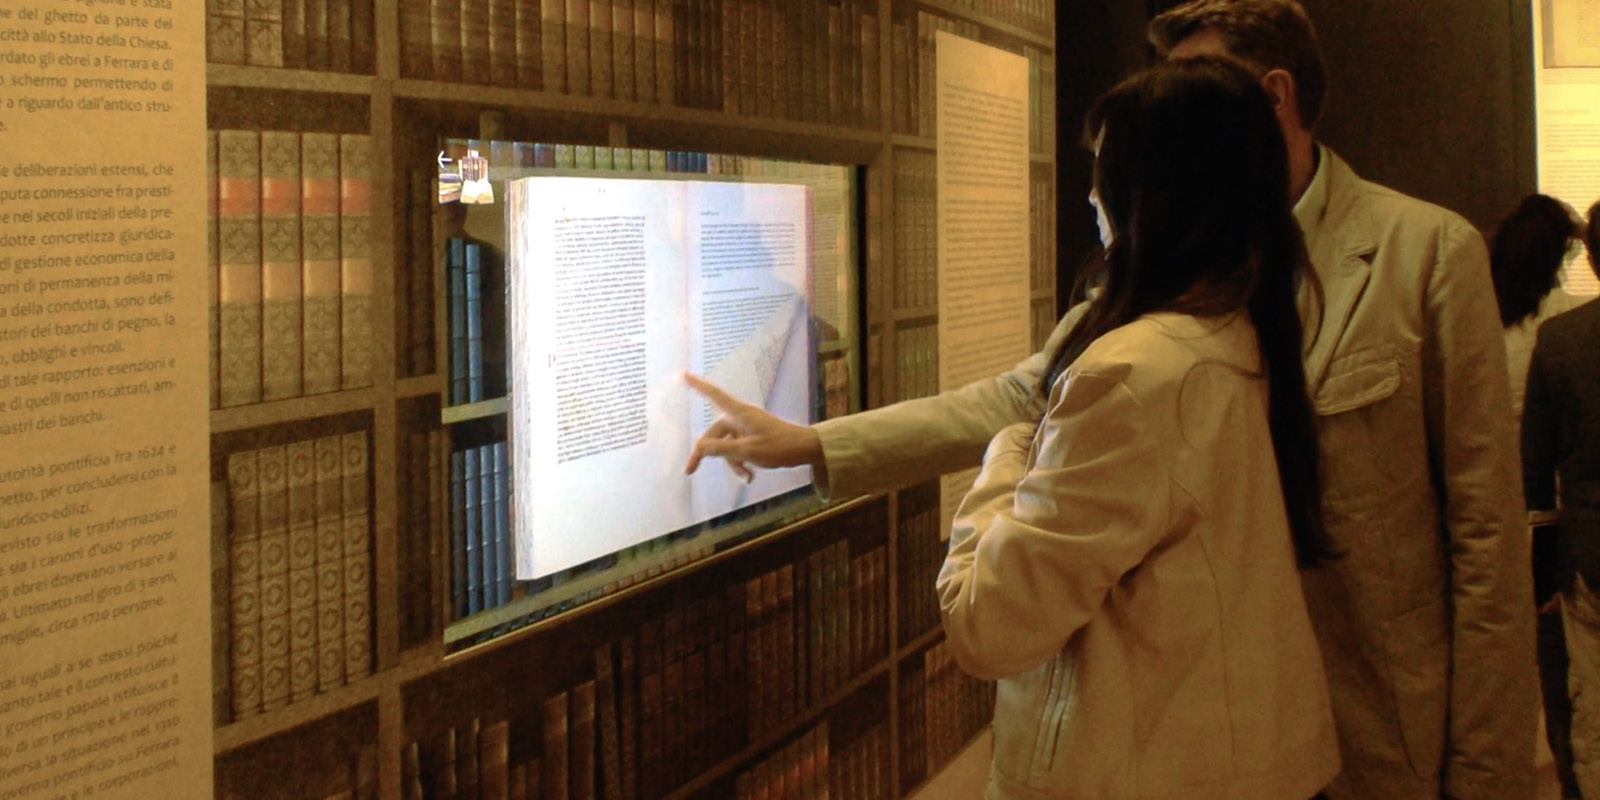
pixel 1341 253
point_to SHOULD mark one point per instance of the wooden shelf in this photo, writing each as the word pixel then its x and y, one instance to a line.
pixel 916 314
pixel 919 642
pixel 271 723
pixel 295 409
pixel 914 142
pixel 1042 158
pixel 951 9
pixel 1043 294
pixel 299 80
pixel 419 386
pixel 450 415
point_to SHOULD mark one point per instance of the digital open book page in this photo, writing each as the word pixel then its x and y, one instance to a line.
pixel 616 288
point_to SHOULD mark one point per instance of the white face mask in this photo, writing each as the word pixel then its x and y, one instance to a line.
pixel 1103 221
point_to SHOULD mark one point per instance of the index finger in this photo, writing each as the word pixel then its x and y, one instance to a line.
pixel 712 392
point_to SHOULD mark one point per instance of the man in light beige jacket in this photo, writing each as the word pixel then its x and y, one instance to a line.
pixel 1423 623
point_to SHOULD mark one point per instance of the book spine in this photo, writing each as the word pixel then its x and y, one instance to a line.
pixel 553 44
pixel 411 772
pixel 474 321
pixel 263 33
pixel 469 773
pixel 244 583
pixel 579 78
pixel 225 31
pixel 601 73
pixel 628 716
pixel 605 694
pixel 472 500
pixel 419 275
pixel 477 42
pixel 213 271
pixel 318 34
pixel 320 233
pixel 355 260
pixel 624 77
pixel 341 35
pixel 502 36
pixel 529 56
pixel 673 696
pixel 489 576
pixel 444 784
pixel 494 755
pixel 303 619
pixel 459 586
pixel 502 523
pixel 294 33
pixel 274 469
pixel 280 265
pixel 456 266
pixel 239 254
pixel 447 56
pixel 328 520
pixel 650 783
pixel 555 748
pixel 582 765
pixel 644 50
pixel 221 608
pixel 356 473
pixel 666 53
pixel 363 37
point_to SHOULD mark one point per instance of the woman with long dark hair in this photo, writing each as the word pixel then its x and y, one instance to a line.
pixel 1126 567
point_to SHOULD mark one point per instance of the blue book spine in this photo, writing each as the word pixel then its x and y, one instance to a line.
pixel 458 532
pixel 502 523
pixel 473 507
pixel 486 544
pixel 456 265
pixel 673 162
pixel 544 155
pixel 702 163
pixel 474 314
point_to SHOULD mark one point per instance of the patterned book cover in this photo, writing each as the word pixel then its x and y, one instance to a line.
pixel 213 269
pixel 416 39
pixel 319 265
pixel 475 41
pixel 225 31
pixel 356 475
pixel 263 33
pixel 303 618
pixel 341 36
pixel 601 74
pixel 274 475
pixel 494 754
pixel 581 771
pixel 355 260
pixel 579 79
pixel 280 265
pixel 555 747
pixel 527 59
pixel 294 33
pixel 644 50
pixel 244 582
pixel 239 254
pixel 553 44
pixel 328 495
pixel 447 40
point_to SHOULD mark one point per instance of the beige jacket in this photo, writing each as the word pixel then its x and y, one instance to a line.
pixel 1124 569
pixel 1424 625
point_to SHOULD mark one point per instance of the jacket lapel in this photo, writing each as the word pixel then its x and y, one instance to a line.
pixel 1341 256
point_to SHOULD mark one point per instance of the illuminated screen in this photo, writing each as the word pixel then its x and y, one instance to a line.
pixel 617 286
pixel 582 283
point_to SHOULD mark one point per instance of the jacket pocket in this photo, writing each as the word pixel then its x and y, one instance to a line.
pixel 1351 413
pixel 1418 647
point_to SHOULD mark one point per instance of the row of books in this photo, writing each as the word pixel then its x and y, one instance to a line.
pixel 797 771
pixel 922 553
pixel 329 35
pixel 476 306
pixel 353 777
pixel 916 233
pixel 861 770
pixel 689 687
pixel 1034 16
pixel 941 709
pixel 916 361
pixel 297 532
pixel 810 60
pixel 914 93
pixel 291 250
pixel 481 554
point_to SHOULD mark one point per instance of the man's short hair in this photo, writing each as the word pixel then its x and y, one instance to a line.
pixel 1265 34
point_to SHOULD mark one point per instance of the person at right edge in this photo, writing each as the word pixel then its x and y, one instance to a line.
pixel 1422 623
pixel 1561 439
